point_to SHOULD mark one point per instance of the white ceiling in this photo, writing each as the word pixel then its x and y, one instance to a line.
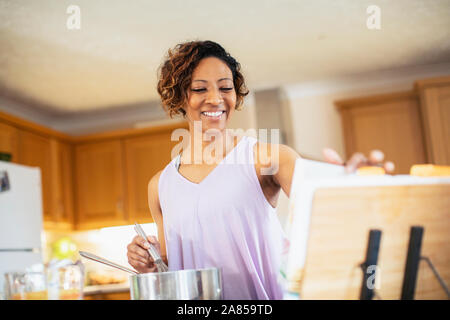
pixel 112 60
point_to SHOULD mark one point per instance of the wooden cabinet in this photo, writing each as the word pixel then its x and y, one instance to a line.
pixel 54 158
pixel 34 145
pixel 36 151
pixel 93 181
pixel 112 178
pixel 62 187
pixel 145 156
pixel 67 181
pixel 389 122
pixel 9 140
pixel 113 171
pixel 435 108
pixel 410 127
pixel 100 187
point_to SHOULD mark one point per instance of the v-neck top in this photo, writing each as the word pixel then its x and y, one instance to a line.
pixel 224 221
pixel 226 159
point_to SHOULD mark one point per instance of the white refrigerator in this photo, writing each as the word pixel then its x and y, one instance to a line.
pixel 20 218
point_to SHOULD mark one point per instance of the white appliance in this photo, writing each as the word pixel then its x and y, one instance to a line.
pixel 20 218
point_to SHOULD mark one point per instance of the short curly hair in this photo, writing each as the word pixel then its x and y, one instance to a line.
pixel 175 73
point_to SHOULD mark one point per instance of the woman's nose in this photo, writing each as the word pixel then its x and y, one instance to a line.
pixel 214 98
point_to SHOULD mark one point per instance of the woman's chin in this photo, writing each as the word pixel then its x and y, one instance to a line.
pixel 220 124
pixel 214 127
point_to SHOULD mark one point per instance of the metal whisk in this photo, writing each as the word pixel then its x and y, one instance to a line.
pixel 160 265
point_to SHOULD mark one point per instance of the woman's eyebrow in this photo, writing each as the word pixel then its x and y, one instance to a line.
pixel 221 79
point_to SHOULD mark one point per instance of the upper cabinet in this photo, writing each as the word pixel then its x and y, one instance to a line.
pixel 145 156
pixel 388 122
pixel 93 181
pixel 100 184
pixel 9 140
pixel 112 173
pixel 62 186
pixel 435 107
pixel 54 158
pixel 410 127
pixel 36 151
pixel 36 146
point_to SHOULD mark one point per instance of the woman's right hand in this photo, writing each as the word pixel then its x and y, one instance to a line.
pixel 138 256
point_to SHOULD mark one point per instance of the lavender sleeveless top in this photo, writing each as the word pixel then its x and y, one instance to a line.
pixel 226 222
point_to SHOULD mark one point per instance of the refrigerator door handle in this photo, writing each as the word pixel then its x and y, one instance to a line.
pixel 4 181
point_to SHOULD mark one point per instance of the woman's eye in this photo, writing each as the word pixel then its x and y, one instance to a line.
pixel 203 89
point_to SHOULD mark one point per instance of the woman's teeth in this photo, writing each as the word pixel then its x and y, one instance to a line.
pixel 213 114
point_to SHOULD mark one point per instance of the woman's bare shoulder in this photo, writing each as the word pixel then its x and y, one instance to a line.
pixel 153 194
pixel 273 154
pixel 154 181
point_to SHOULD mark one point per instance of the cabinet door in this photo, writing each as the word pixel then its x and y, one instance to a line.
pixel 436 117
pixel 36 151
pixel 8 140
pixel 100 185
pixel 62 186
pixel 145 156
pixel 390 123
pixel 67 181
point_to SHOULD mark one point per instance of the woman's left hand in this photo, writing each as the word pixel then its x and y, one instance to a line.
pixel 358 159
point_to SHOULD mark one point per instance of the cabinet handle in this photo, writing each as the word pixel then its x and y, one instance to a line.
pixel 119 205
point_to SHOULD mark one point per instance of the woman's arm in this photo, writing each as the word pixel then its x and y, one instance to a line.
pixel 285 162
pixel 137 254
pixel 155 210
pixel 275 164
pixel 282 163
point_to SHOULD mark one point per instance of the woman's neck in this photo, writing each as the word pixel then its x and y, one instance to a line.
pixel 208 147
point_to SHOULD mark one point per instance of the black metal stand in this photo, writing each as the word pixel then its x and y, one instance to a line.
pixel 373 246
pixel 412 265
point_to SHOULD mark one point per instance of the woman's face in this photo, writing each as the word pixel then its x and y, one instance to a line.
pixel 211 95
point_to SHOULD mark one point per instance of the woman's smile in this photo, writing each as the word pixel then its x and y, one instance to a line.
pixel 214 115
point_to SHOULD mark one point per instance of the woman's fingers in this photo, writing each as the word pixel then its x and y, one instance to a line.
pixel 140 242
pixel 376 157
pixel 357 160
pixel 154 241
pixel 138 253
pixel 389 166
pixel 138 259
pixel 138 256
pixel 331 156
pixel 137 250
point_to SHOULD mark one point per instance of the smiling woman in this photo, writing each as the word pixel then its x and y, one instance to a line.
pixel 219 215
pixel 175 75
